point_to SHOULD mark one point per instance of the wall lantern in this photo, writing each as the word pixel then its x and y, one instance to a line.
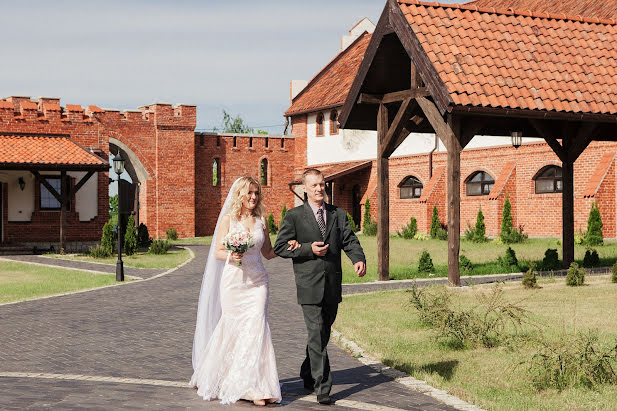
pixel 118 164
pixel 22 183
pixel 517 138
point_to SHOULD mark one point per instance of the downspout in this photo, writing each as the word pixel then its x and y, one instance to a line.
pixel 430 157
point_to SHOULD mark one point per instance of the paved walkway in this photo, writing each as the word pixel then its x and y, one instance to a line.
pixel 129 347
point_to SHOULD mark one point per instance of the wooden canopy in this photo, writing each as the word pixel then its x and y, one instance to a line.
pixel 460 71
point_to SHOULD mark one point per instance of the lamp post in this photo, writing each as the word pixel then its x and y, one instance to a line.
pixel 517 138
pixel 119 169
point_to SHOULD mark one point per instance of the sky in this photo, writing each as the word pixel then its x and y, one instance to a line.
pixel 238 56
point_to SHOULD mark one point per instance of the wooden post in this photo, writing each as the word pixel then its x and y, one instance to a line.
pixel 567 234
pixel 454 204
pixel 383 190
pixel 63 203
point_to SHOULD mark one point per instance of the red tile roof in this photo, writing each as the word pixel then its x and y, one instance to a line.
pixel 330 86
pixel 519 60
pixel 46 152
pixel 602 168
pixel 332 171
pixel 602 9
pixel 502 180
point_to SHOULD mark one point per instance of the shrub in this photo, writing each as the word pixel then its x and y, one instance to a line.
pixel 283 212
pixel 506 228
pixel 579 237
pixel 469 232
pixel 591 259
pixel 352 224
pixel 594 227
pixel 130 237
pixel 143 237
pixel 465 263
pixel 99 252
pixel 442 233
pixel 272 228
pixel 410 230
pixel 421 237
pixel 509 260
pixel 369 226
pixel 109 237
pixel 529 278
pixel 479 232
pixel 550 260
pixel 172 234
pixel 434 223
pixel 575 276
pixel 159 247
pixel 425 265
pixel 614 273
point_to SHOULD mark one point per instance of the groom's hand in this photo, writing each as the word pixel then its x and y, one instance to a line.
pixel 319 249
pixel 360 268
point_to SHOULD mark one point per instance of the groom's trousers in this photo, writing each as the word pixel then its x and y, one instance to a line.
pixel 316 366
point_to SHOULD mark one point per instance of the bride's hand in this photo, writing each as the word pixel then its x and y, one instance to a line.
pixel 236 257
pixel 293 245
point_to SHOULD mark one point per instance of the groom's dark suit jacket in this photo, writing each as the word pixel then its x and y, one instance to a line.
pixel 318 278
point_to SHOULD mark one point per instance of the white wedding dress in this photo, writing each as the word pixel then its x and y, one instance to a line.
pixel 238 361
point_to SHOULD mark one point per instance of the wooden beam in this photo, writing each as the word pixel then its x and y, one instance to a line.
pixel 567 213
pixel 471 129
pixel 550 136
pixel 434 117
pixel 392 97
pixel 392 138
pixel 383 194
pixel 366 98
pixel 584 136
pixel 63 203
pixel 48 186
pixel 80 184
pixel 454 202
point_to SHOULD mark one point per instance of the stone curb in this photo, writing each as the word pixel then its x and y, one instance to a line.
pixel 399 376
pixel 191 258
pixel 94 262
pixel 61 267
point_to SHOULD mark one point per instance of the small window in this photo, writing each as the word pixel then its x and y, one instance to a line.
pixel 549 180
pixel 333 122
pixel 48 201
pixel 282 143
pixel 218 141
pixel 216 172
pixel 267 142
pixel 479 183
pixel 410 187
pixel 235 142
pixel 319 131
pixel 201 140
pixel 263 170
pixel 250 142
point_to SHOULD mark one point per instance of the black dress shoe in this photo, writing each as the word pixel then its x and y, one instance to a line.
pixel 324 399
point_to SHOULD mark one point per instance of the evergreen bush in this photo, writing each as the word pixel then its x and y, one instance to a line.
pixel 143 237
pixel 529 278
pixel 159 247
pixel 591 259
pixel 370 227
pixel 172 234
pixel 283 212
pixel 469 232
pixel 435 222
pixel 130 237
pixel 575 276
pixel 442 233
pixel 614 273
pixel 410 230
pixel 272 228
pixel 99 252
pixel 465 263
pixel 479 232
pixel 550 260
pixel 594 227
pixel 425 265
pixel 108 239
pixel 509 260
pixel 352 224
pixel 505 231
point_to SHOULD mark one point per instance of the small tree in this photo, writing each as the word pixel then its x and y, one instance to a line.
pixel 108 239
pixel 529 278
pixel 594 227
pixel 130 237
pixel 369 226
pixel 575 275
pixel 435 226
pixel 509 260
pixel 479 234
pixel 171 233
pixel 591 259
pixel 425 265
pixel 272 228
pixel 550 260
pixel 352 224
pixel 465 263
pixel 614 273
pixel 505 232
pixel 283 213
pixel 410 230
pixel 143 236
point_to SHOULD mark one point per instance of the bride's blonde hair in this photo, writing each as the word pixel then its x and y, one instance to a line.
pixel 241 189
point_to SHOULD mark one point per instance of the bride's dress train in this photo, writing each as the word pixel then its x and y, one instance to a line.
pixel 238 361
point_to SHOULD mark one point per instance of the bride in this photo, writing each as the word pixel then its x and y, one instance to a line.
pixel 233 356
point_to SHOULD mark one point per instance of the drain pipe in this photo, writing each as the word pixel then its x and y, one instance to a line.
pixel 430 157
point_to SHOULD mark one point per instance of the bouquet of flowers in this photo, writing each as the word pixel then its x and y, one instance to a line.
pixel 238 242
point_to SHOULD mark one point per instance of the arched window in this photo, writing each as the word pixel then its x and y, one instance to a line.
pixel 479 183
pixel 250 142
pixel 333 122
pixel 319 124
pixel 263 172
pixel 549 180
pixel 235 142
pixel 216 172
pixel 410 187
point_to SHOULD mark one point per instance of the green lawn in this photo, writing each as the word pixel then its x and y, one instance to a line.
pixel 193 240
pixel 387 326
pixel 404 256
pixel 19 281
pixel 173 258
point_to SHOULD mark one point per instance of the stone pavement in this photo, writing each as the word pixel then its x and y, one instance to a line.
pixel 129 347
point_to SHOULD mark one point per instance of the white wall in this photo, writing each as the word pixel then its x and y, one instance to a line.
pixel 20 204
pixel 86 199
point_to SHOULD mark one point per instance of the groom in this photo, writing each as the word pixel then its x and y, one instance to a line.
pixel 322 231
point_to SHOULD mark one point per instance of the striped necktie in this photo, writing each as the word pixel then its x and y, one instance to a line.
pixel 321 223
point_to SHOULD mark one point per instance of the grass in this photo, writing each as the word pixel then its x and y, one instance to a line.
pixel 142 259
pixel 496 378
pixel 20 281
pixel 404 255
pixel 207 240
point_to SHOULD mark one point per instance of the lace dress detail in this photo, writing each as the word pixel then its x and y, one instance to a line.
pixel 239 362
